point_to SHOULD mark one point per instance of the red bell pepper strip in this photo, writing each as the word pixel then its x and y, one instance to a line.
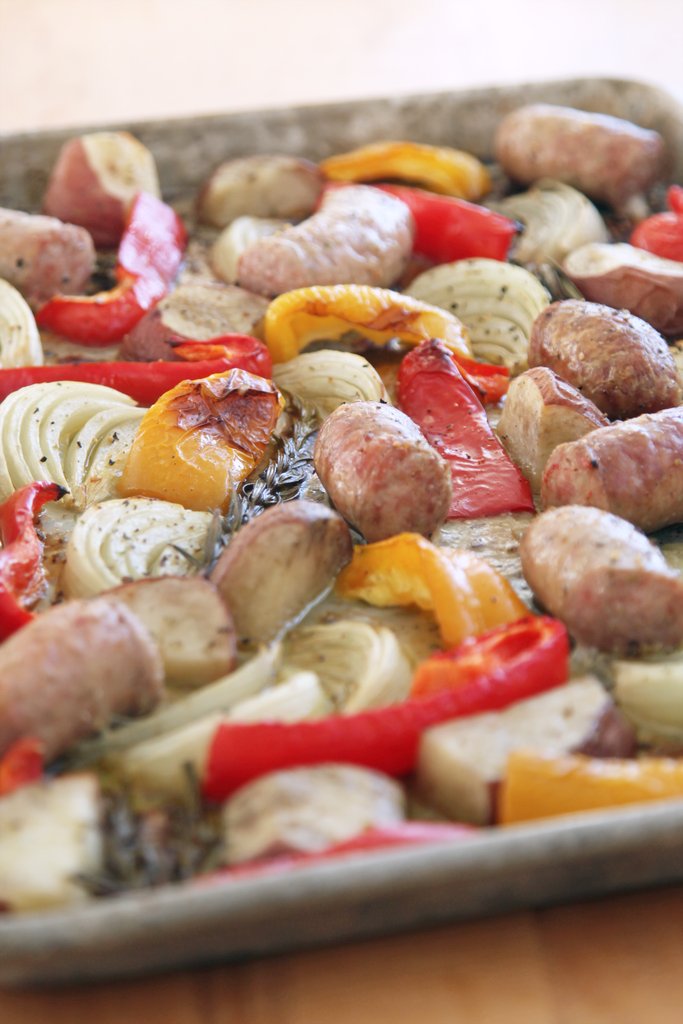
pixel 406 834
pixel 448 229
pixel 386 739
pixel 146 382
pixel 662 234
pixel 243 352
pixel 21 569
pixel 21 764
pixel 432 391
pixel 534 647
pixel 487 381
pixel 149 255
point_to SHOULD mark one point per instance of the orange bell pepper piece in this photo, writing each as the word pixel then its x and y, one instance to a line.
pixel 451 172
pixel 541 787
pixel 465 594
pixel 199 440
pixel 327 312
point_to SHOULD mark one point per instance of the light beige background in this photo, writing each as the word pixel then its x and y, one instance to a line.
pixel 72 61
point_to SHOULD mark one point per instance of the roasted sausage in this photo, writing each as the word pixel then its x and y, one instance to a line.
pixel 611 587
pixel 64 675
pixel 616 360
pixel 380 472
pixel 359 236
pixel 633 469
pixel 278 564
pixel 41 256
pixel 606 157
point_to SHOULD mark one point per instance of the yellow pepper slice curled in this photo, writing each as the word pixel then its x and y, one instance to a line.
pixel 465 594
pixel 537 786
pixel 450 172
pixel 199 440
pixel 327 312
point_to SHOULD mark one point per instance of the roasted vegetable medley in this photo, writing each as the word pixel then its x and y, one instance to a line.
pixel 339 502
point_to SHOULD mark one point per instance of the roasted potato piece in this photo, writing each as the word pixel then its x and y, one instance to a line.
pixel 189 622
pixel 462 762
pixel 542 411
pixel 49 838
pixel 625 277
pixel 303 810
pixel 273 185
pixel 194 312
pixel 95 179
pixel 279 564
pixel 616 360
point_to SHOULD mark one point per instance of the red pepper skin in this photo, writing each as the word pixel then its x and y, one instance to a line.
pixel 662 234
pixel 21 568
pixel 486 380
pixel 386 739
pixel 535 648
pixel 149 257
pixel 432 391
pixel 243 352
pixel 448 229
pixel 144 382
pixel 21 764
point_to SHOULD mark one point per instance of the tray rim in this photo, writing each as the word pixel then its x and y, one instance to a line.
pixel 29 943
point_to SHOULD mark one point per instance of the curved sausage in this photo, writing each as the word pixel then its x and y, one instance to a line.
pixel 606 157
pixel 64 675
pixel 633 469
pixel 611 587
pixel 41 256
pixel 360 236
pixel 380 472
pixel 616 360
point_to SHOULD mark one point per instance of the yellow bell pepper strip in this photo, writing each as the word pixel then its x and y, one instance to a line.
pixel 451 172
pixel 201 439
pixel 465 594
pixel 328 312
pixel 537 786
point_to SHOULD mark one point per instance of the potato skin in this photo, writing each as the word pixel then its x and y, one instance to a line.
pixel 603 578
pixel 95 179
pixel 269 185
pixel 64 675
pixel 633 469
pixel 616 360
pixel 633 279
pixel 606 157
pixel 278 564
pixel 193 312
pixel 380 472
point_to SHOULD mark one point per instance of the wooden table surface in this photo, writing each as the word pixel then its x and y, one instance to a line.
pixel 67 62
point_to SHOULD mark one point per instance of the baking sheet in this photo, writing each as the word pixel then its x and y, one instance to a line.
pixel 523 866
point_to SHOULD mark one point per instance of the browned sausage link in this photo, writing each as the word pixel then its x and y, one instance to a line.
pixel 64 675
pixel 634 470
pixel 380 472
pixel 606 157
pixel 357 237
pixel 616 360
pixel 41 256
pixel 611 587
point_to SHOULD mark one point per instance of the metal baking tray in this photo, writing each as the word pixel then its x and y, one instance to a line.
pixel 522 866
